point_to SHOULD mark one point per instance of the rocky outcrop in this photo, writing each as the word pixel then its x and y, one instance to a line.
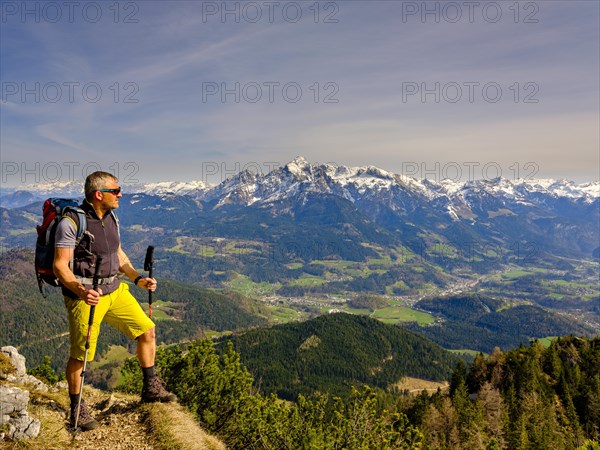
pixel 15 421
pixel 16 359
pixel 20 376
pixel 14 417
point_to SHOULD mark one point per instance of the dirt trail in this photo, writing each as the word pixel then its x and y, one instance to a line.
pixel 125 424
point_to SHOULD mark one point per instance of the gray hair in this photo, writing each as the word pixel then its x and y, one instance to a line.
pixel 96 181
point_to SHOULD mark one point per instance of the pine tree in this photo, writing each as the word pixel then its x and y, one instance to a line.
pixel 495 414
pixel 478 374
pixel 440 427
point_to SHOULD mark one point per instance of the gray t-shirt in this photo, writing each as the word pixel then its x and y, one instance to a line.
pixel 66 234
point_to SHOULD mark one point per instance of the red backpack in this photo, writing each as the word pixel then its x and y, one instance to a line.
pixel 53 211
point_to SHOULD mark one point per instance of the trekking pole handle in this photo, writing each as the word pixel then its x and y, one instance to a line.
pixel 150 292
pixel 149 265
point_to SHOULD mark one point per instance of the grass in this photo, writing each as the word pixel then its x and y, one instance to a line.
pixel 307 281
pixel 157 314
pixel 357 311
pixel 336 264
pixel 161 309
pixel 397 285
pixel 174 429
pixel 210 334
pixel 5 365
pixel 395 314
pixel 416 385
pixel 468 352
pixel 518 272
pixel 245 286
pixel 207 252
pixel 380 261
pixel 178 248
pixel 115 354
pixel 158 425
pixel 547 340
pixel 283 314
pixel 515 273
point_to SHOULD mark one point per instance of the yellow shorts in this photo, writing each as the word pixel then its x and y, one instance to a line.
pixel 118 309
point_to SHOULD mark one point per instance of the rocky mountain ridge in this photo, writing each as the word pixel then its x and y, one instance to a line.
pixel 353 206
pixel 351 183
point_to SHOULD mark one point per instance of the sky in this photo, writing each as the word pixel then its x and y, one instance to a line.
pixel 190 90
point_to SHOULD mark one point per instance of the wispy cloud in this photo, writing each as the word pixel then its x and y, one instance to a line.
pixel 163 61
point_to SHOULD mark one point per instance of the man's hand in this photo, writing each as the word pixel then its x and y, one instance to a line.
pixel 148 283
pixel 92 297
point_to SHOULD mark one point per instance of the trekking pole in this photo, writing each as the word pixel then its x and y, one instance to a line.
pixel 89 334
pixel 148 263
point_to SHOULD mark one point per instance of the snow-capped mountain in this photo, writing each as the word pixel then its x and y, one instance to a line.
pixel 352 183
pixel 360 184
pixel 360 204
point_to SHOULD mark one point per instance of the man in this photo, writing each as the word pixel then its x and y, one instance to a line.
pixel 115 305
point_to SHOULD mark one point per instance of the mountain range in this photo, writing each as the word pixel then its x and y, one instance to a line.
pixel 348 207
pixel 352 183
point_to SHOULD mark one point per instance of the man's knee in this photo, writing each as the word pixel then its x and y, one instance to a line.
pixel 73 365
pixel 148 336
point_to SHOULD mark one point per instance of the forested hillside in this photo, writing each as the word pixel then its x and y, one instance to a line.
pixel 481 323
pixel 529 398
pixel 334 352
pixel 526 398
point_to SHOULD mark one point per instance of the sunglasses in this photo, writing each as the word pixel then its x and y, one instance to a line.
pixel 116 191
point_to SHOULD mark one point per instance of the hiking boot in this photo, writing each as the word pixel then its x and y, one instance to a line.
pixel 86 422
pixel 154 391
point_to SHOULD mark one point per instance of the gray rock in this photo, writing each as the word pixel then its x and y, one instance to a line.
pixel 17 360
pixel 24 427
pixel 21 376
pixel 13 414
pixel 14 418
pixel 33 382
pixel 12 401
pixel 60 386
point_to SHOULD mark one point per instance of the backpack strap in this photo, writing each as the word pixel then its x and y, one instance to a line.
pixel 80 220
pixel 82 228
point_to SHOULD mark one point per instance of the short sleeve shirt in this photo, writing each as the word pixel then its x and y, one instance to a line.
pixel 66 234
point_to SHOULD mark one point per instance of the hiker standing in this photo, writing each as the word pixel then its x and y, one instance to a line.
pixel 74 266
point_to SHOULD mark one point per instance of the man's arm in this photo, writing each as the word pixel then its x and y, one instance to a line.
pixel 127 268
pixel 62 258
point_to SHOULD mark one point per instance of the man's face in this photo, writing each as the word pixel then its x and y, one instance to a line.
pixel 110 200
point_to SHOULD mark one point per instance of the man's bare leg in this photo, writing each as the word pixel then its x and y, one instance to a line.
pixel 153 390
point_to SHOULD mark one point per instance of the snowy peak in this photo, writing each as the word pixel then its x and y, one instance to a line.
pixel 357 184
pixel 299 168
pixel 171 187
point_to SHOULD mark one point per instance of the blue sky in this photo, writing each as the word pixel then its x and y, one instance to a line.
pixel 516 94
